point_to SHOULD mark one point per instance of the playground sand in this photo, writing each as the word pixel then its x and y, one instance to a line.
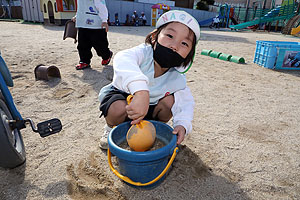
pixel 245 141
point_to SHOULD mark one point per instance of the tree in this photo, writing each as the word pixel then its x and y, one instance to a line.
pixel 210 2
pixel 203 4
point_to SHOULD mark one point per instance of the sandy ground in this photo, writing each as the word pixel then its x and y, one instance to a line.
pixel 245 142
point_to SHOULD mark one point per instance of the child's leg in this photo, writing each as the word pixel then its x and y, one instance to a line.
pixel 162 111
pixel 84 46
pixel 116 113
pixel 113 109
pixel 100 43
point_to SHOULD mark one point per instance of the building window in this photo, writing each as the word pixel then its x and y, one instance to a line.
pixel 68 5
pixel 45 9
pixel 55 6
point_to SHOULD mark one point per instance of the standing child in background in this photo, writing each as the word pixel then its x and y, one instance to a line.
pixel 215 22
pixel 154 74
pixel 143 18
pixel 135 19
pixel 127 21
pixel 91 21
pixel 117 22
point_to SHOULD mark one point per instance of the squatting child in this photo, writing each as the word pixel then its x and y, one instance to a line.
pixel 153 73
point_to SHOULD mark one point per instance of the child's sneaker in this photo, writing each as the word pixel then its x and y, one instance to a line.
pixel 103 140
pixel 106 62
pixel 82 65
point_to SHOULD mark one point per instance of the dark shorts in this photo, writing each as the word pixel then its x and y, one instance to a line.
pixel 115 95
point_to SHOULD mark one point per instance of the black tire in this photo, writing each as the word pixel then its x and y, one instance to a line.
pixel 12 150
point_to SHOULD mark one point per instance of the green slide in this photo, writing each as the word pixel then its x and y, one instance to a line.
pixel 279 13
pixel 258 21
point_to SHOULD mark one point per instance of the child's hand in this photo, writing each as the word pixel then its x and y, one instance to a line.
pixel 180 131
pixel 105 25
pixel 138 107
pixel 74 19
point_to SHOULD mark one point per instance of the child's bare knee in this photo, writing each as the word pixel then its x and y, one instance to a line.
pixel 167 102
pixel 163 111
pixel 117 109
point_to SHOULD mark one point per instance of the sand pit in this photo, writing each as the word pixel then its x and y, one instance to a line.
pixel 244 145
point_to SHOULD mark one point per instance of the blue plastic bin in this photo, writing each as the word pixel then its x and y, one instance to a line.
pixel 266 52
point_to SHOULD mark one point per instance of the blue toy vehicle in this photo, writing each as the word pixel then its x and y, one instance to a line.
pixel 12 150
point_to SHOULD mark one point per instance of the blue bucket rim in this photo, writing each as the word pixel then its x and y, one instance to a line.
pixel 146 155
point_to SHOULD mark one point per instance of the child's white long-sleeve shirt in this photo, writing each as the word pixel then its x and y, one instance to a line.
pixel 102 9
pixel 134 71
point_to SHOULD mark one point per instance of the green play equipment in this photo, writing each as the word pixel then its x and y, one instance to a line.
pixel 206 52
pixel 237 59
pixel 215 54
pixel 223 56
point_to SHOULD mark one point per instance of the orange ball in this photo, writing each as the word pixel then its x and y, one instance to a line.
pixel 141 136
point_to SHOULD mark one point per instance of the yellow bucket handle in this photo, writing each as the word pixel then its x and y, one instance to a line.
pixel 128 180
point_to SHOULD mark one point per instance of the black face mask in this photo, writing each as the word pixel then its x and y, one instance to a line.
pixel 166 57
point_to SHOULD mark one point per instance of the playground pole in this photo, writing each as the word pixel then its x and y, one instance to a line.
pixel 247 9
pixel 265 2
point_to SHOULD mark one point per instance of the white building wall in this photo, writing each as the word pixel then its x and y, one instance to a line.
pixel 31 11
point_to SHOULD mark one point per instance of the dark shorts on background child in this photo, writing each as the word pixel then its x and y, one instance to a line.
pixel 115 95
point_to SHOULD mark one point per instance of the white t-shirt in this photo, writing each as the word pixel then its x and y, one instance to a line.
pixel 91 14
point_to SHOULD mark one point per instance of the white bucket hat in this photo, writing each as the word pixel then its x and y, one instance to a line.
pixel 182 17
